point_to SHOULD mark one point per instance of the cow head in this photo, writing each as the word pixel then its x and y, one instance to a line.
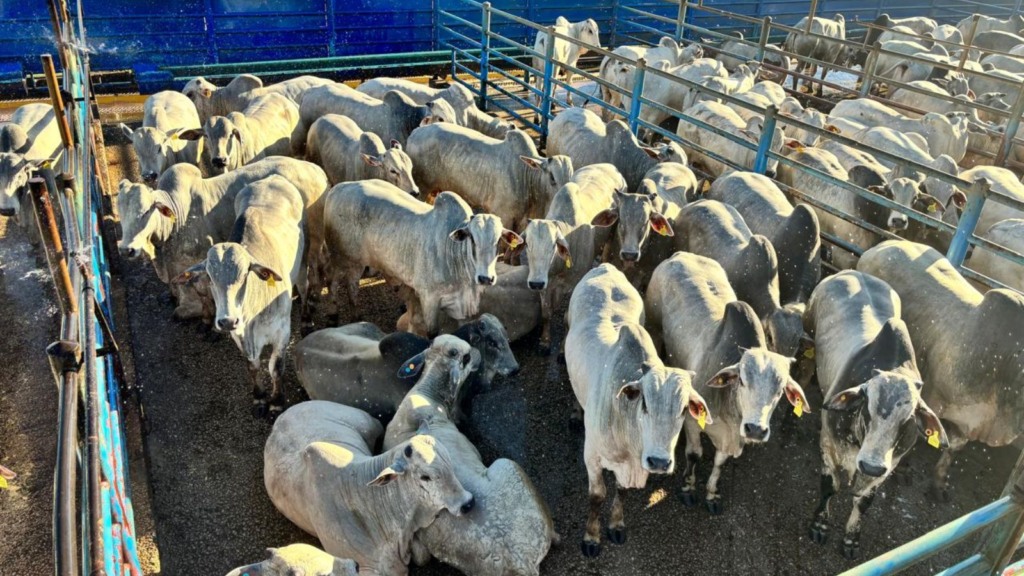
pixel 882 407
pixel 233 271
pixel 423 466
pixel 147 215
pixel 902 191
pixel 449 355
pixel 758 381
pixel 666 152
pixel 198 90
pixel 588 33
pixel 15 171
pixel 439 110
pixel 393 166
pixel 660 397
pixel 784 329
pixel 488 335
pixel 544 242
pixel 14 138
pixel 637 216
pixel 552 173
pixel 153 148
pixel 223 136
pixel 298 560
pixel 483 232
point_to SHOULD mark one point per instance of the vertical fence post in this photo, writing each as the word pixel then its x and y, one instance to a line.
pixel 766 30
pixel 485 54
pixel 810 16
pixel 615 23
pixel 968 43
pixel 868 72
pixel 976 196
pixel 1000 542
pixel 1012 124
pixel 546 96
pixel 638 89
pixel 681 20
pixel 765 144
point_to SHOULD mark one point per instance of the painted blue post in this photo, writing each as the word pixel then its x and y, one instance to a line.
pixel 638 89
pixel 976 196
pixel 546 96
pixel 680 20
pixel 615 23
pixel 765 144
pixel 485 53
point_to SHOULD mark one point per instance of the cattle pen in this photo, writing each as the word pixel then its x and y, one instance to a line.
pixel 139 391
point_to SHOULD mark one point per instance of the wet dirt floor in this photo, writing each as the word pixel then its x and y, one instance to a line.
pixel 212 512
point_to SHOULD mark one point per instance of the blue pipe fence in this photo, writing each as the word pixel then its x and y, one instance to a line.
pixel 460 32
pixel 94 533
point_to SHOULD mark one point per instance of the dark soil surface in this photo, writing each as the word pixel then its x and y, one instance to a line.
pixel 212 512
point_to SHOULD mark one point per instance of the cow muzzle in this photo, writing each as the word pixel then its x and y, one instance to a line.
pixel 8 212
pixel 769 173
pixel 415 192
pixel 657 464
pixel 873 470
pixel 227 324
pixel 149 177
pixel 484 280
pixel 898 222
pixel 629 256
pixel 755 432
pixel 536 285
pixel 219 162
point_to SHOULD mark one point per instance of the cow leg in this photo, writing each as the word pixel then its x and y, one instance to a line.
pixel 713 499
pixel 591 546
pixel 819 527
pixel 861 503
pixel 693 453
pixel 259 394
pixel 546 305
pixel 276 367
pixel 821 85
pixel 617 522
pixel 302 286
pixel 430 308
pixel 939 490
pixel 351 276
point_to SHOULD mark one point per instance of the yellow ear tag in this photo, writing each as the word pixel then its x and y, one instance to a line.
pixel 798 408
pixel 271 282
pixel 931 208
pixel 933 438
pixel 513 243
pixel 173 218
pixel 3 483
pixel 174 136
pixel 809 353
pixel 568 261
pixel 702 418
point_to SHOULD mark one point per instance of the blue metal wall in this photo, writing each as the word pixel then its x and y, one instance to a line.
pixel 181 32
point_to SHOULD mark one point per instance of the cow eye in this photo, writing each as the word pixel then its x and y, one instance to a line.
pixel 395 172
pixel 453 353
pixel 425 478
pixel 492 343
pixel 552 178
pixel 465 358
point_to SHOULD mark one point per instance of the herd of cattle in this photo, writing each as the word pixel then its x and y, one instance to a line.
pixel 696 305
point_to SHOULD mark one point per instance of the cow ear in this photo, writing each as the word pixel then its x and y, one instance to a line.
pixel 534 163
pixel 511 238
pixel 236 134
pixel 206 92
pixel 959 199
pixel 191 274
pixel 264 273
pixel 395 145
pixel 127 131
pixel 653 153
pixel 660 225
pixel 426 120
pixel 413 366
pixel 385 477
pixel 795 395
pixel 164 210
pixel 372 160
pixel 605 218
pixel 728 376
pixel 459 234
pixel 930 426
pixel 846 400
pixel 190 134
pixel 631 391
pixel 696 406
pixel 562 249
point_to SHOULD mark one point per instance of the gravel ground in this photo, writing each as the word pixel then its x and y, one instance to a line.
pixel 212 513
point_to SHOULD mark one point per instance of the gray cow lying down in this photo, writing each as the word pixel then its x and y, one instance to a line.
pixel 298 560
pixel 868 375
pixel 358 364
pixel 693 311
pixel 320 472
pixel 509 529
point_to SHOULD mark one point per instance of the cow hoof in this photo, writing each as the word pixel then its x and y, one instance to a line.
pixel 591 549
pixel 819 532
pixel 260 410
pixel 939 494
pixel 544 349
pixel 851 549
pixel 274 412
pixel 617 535
pixel 689 497
pixel 714 505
